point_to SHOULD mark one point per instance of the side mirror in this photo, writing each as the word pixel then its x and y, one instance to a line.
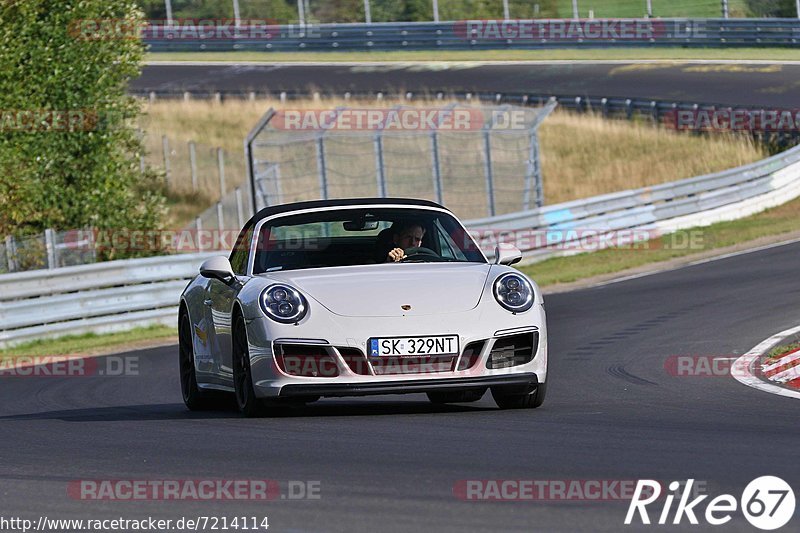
pixel 507 254
pixel 218 268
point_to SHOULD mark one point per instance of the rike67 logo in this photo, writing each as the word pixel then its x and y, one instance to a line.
pixel 767 502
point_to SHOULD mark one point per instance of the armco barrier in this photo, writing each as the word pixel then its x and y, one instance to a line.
pixel 100 297
pixel 477 35
pixel 119 295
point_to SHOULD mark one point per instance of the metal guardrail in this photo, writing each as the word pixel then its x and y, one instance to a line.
pixel 100 297
pixel 119 295
pixel 477 35
pixel 664 208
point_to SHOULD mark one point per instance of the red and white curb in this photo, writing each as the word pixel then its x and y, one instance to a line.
pixel 780 374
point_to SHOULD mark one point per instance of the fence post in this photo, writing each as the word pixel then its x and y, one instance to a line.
pixel 367 12
pixel 437 170
pixel 221 167
pixel 436 10
pixel 198 226
pixel 323 173
pixel 236 16
pixel 725 9
pixel 11 253
pixel 50 246
pixel 487 152
pixel 239 207
pixel 165 149
pixel 380 168
pixel 220 217
pixel 193 165
pixel 536 170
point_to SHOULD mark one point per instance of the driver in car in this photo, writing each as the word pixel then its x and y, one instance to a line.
pixel 404 237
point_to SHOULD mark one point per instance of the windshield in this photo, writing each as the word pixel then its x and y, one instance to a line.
pixel 362 237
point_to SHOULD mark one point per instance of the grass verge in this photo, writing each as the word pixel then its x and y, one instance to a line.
pixel 780 220
pixel 590 54
pixel 778 352
pixel 88 343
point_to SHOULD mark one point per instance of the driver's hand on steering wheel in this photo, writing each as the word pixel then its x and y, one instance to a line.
pixel 396 255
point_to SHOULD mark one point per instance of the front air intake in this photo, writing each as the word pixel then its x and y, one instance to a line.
pixel 514 350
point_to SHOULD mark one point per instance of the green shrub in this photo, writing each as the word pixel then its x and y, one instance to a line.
pixel 84 170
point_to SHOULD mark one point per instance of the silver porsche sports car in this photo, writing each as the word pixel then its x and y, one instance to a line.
pixel 360 297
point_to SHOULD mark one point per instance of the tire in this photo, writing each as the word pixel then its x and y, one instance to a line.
pixel 194 398
pixel 462 396
pixel 246 400
pixel 520 401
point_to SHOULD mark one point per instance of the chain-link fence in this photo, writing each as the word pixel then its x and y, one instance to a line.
pixel 477 160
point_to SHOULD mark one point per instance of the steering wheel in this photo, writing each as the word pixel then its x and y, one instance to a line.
pixel 420 254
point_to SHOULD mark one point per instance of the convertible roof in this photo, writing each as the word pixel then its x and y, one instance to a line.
pixel 343 202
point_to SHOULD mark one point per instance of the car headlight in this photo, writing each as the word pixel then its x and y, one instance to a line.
pixel 513 292
pixel 283 304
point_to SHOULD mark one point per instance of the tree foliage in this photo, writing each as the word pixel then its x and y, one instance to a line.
pixel 74 173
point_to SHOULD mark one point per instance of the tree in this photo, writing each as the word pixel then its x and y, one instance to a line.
pixel 69 155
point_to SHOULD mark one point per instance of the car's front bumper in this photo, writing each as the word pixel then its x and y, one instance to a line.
pixel 334 334
pixel 520 383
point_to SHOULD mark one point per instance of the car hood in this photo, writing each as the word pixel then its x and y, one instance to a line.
pixel 381 290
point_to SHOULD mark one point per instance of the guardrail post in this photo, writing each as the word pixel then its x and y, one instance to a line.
pixel 193 165
pixel 221 167
pixel 487 165
pixel 11 253
pixel 604 107
pixel 323 173
pixel 50 247
pixel 380 169
pixel 654 111
pixel 629 109
pixel 165 150
pixel 437 171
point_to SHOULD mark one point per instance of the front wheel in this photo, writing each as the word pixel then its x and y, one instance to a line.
pixel 530 400
pixel 194 398
pixel 246 399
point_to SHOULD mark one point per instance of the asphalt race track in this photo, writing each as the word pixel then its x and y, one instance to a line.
pixel 390 463
pixel 761 84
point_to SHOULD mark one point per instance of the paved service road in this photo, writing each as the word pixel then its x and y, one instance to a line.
pixel 773 85
pixel 390 463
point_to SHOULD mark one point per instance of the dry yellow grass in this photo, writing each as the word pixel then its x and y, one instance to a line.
pixel 582 155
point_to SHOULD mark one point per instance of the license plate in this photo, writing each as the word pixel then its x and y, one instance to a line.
pixel 413 346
